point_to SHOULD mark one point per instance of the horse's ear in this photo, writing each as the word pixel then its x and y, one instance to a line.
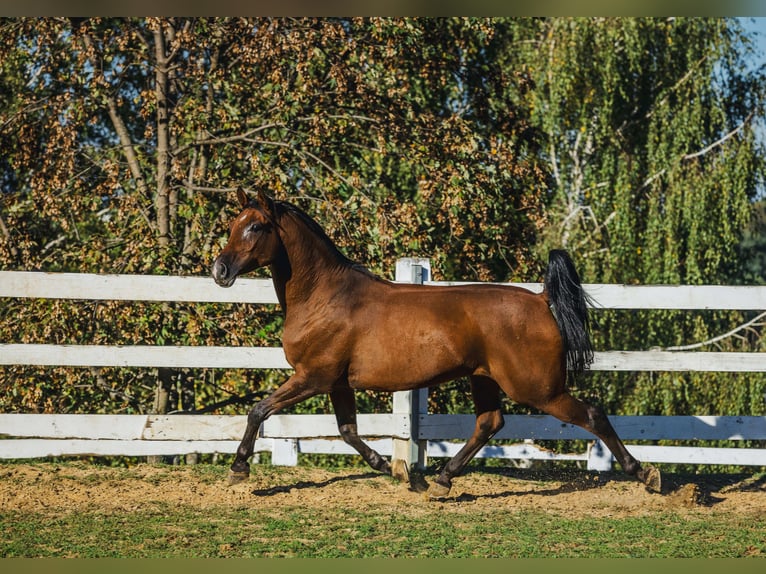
pixel 265 203
pixel 242 197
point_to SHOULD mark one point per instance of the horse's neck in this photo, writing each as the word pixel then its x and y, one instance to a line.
pixel 280 275
pixel 308 268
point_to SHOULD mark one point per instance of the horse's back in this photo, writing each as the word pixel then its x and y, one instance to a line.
pixel 407 335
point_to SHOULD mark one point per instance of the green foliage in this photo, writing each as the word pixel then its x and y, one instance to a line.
pixel 752 249
pixel 649 129
pixel 479 143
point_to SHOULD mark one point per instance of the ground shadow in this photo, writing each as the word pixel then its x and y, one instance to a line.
pixel 566 481
pixel 689 489
pixel 303 484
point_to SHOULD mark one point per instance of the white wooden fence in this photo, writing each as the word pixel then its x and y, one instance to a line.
pixel 409 432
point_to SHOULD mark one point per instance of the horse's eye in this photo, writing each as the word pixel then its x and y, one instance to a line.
pixel 254 227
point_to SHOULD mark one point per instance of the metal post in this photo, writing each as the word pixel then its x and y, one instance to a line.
pixel 412 403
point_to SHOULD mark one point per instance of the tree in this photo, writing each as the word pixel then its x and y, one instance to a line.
pixel 480 143
pixel 128 136
pixel 650 135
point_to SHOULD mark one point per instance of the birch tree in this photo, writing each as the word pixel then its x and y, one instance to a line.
pixel 650 129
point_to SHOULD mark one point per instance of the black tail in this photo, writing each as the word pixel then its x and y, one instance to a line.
pixel 569 304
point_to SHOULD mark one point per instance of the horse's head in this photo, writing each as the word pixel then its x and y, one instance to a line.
pixel 253 240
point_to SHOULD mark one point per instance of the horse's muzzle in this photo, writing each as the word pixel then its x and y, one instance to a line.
pixel 222 274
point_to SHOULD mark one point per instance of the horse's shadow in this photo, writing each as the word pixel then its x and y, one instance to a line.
pixel 578 484
pixel 419 483
pixel 711 491
pixel 695 490
pixel 303 484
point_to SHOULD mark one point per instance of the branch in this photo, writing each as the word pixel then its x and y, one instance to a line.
pixel 689 156
pixel 683 80
pixel 222 140
pixel 720 141
pixel 161 86
pixel 317 159
pixel 127 147
pixel 8 238
pixel 650 179
pixel 716 339
pixel 104 386
pixel 192 187
pixel 29 108
pixel 122 131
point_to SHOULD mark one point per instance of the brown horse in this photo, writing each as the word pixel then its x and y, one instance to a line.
pixel 344 330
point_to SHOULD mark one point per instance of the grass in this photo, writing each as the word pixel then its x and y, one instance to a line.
pixel 327 533
pixel 162 530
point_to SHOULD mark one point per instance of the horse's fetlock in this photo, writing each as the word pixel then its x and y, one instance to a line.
pixel 240 467
pixel 632 468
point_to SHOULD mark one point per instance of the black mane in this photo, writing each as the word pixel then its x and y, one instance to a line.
pixel 282 207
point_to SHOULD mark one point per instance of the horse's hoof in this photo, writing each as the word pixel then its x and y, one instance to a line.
pixel 651 478
pixel 437 491
pixel 399 470
pixel 237 477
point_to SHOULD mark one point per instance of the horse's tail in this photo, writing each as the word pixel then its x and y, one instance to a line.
pixel 569 304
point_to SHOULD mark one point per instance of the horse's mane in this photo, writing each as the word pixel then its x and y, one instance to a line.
pixel 283 207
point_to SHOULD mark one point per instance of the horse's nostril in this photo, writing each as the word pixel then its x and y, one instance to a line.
pixel 220 271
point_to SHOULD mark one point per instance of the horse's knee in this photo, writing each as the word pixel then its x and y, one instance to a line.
pixel 259 413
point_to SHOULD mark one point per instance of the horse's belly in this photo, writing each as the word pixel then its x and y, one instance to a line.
pixel 414 361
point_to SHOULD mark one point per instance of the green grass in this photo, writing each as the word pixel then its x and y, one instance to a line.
pixel 159 529
pixel 327 532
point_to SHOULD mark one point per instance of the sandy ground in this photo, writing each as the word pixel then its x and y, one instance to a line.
pixel 572 493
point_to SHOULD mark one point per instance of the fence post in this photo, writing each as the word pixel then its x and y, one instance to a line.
pixel 599 457
pixel 284 452
pixel 412 403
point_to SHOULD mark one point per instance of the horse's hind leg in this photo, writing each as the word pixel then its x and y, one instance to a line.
pixel 593 419
pixel 489 420
pixel 344 405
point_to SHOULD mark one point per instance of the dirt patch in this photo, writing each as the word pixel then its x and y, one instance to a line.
pixel 82 487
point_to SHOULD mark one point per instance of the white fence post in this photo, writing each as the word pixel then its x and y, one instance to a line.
pixel 284 452
pixel 599 456
pixel 412 403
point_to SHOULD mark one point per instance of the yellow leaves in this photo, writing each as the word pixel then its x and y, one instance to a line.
pixel 363 128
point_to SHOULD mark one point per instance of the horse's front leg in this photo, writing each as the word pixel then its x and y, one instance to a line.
pixel 292 391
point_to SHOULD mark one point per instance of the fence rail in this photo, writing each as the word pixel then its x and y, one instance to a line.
pixel 274 358
pixel 90 286
pixel 410 429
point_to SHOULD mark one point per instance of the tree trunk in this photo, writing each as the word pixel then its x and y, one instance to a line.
pixel 162 198
pixel 162 398
pixel 126 144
